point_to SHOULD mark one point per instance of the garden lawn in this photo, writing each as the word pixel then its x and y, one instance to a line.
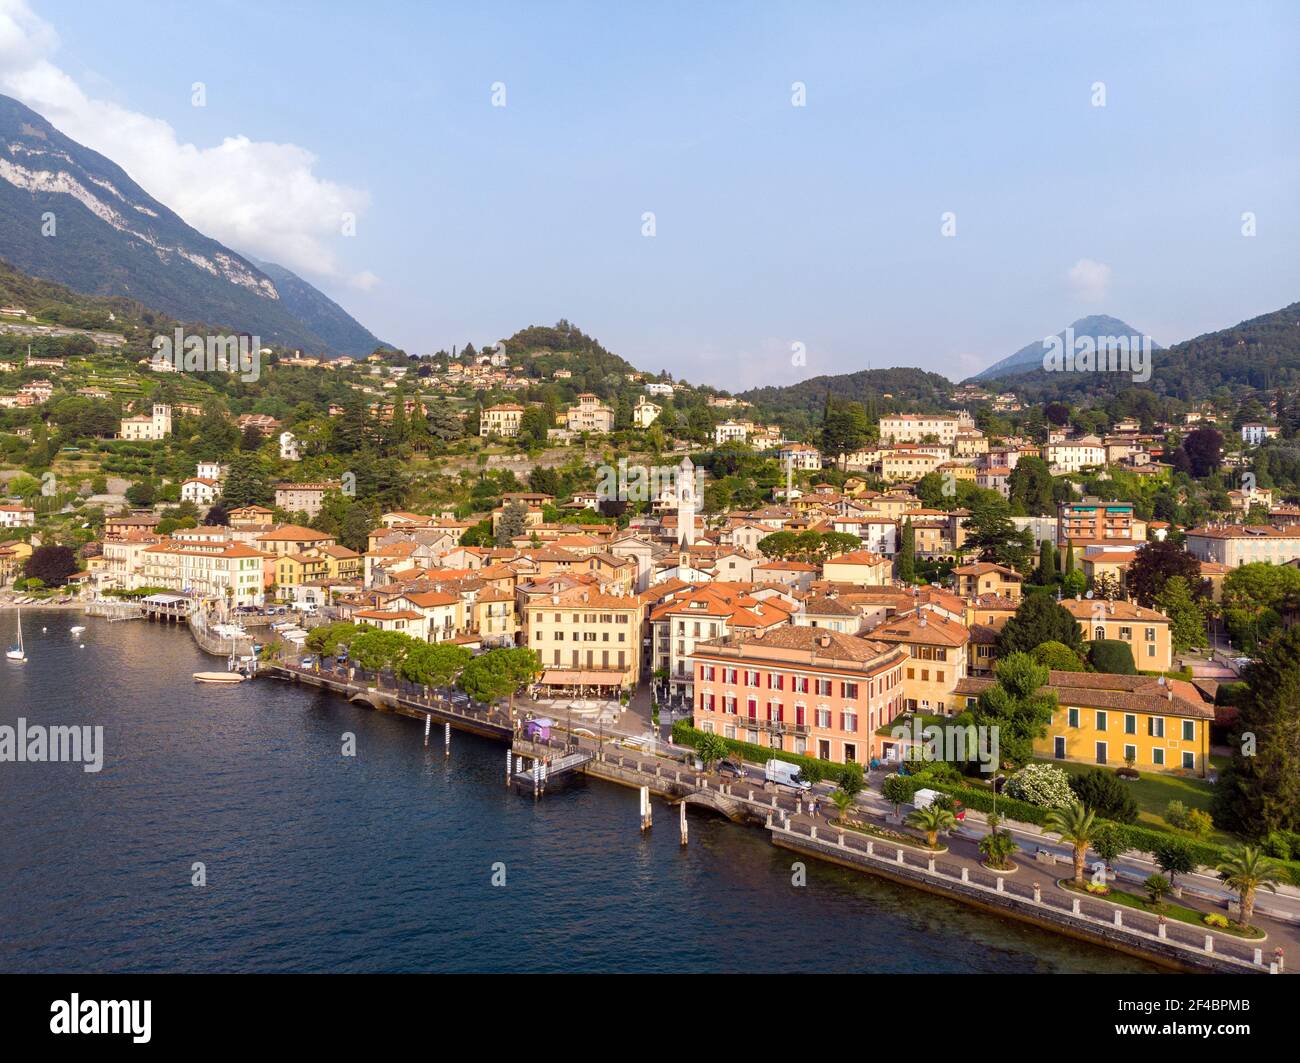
pixel 1153 792
pixel 1170 909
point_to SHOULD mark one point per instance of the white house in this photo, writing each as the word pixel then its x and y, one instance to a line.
pixel 288 446
pixel 200 490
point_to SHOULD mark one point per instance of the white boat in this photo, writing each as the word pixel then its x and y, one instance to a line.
pixel 76 629
pixel 218 677
pixel 16 652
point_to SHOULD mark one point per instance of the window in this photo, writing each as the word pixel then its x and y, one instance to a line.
pixel 1130 753
pixel 1101 720
pixel 823 717
pixel 1189 761
pixel 1058 747
pixel 1101 752
pixel 848 721
pixel 1130 724
pixel 849 691
pixel 1150 634
pixel 1156 726
pixel 1151 649
pixel 1073 715
pixel 1189 730
pixel 823 688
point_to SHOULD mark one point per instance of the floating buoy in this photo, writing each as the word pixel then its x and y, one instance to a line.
pixel 83 646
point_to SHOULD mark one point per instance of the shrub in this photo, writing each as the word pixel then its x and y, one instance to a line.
pixel 1043 785
pixel 1105 794
pixel 1057 656
pixel 810 768
pixel 1176 815
pixel 898 789
pixel 1216 920
pixel 1112 656
pixel 1199 823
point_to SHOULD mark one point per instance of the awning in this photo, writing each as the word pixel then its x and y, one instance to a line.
pixel 563 678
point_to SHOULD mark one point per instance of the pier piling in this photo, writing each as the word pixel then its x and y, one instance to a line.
pixel 645 808
pixel 682 807
pixel 428 722
pixel 446 739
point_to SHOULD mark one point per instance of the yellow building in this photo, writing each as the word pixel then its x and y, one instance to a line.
pixel 1154 725
pixel 896 465
pixel 293 569
pixel 984 577
pixel 938 648
pixel 1145 630
pixel 501 420
pixel 586 639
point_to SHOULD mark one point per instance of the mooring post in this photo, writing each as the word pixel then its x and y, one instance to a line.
pixel 682 806
pixel 645 808
pixel 446 739
pixel 537 779
pixel 510 756
pixel 428 722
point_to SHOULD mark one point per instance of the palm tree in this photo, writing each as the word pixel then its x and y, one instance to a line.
pixel 1244 871
pixel 996 847
pixel 843 801
pixel 933 821
pixel 1077 825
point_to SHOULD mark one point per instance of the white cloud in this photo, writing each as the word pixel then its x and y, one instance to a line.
pixel 1089 280
pixel 254 196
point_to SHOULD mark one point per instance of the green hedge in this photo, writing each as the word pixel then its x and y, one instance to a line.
pixel 686 735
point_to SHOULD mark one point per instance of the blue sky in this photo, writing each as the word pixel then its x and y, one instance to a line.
pixel 775 224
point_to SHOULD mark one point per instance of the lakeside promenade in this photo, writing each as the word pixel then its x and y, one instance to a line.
pixel 1031 893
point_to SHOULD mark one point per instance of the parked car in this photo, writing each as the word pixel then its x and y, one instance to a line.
pixel 731 768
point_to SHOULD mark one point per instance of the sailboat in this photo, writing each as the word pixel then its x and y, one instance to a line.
pixel 16 652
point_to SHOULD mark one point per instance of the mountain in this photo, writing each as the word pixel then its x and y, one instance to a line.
pixel 1260 354
pixel 335 326
pixel 111 238
pixel 880 390
pixel 1030 356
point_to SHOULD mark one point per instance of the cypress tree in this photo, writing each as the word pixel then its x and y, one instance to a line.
pixel 907 553
pixel 1046 562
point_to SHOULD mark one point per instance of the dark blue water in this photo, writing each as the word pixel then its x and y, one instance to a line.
pixel 384 862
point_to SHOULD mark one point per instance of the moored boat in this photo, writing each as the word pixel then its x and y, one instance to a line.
pixel 218 677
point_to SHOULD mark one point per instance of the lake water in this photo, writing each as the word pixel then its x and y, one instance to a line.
pixel 384 861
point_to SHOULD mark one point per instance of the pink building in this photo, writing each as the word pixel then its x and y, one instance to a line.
pixel 799 689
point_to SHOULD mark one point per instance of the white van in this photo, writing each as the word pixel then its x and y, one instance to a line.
pixel 785 773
